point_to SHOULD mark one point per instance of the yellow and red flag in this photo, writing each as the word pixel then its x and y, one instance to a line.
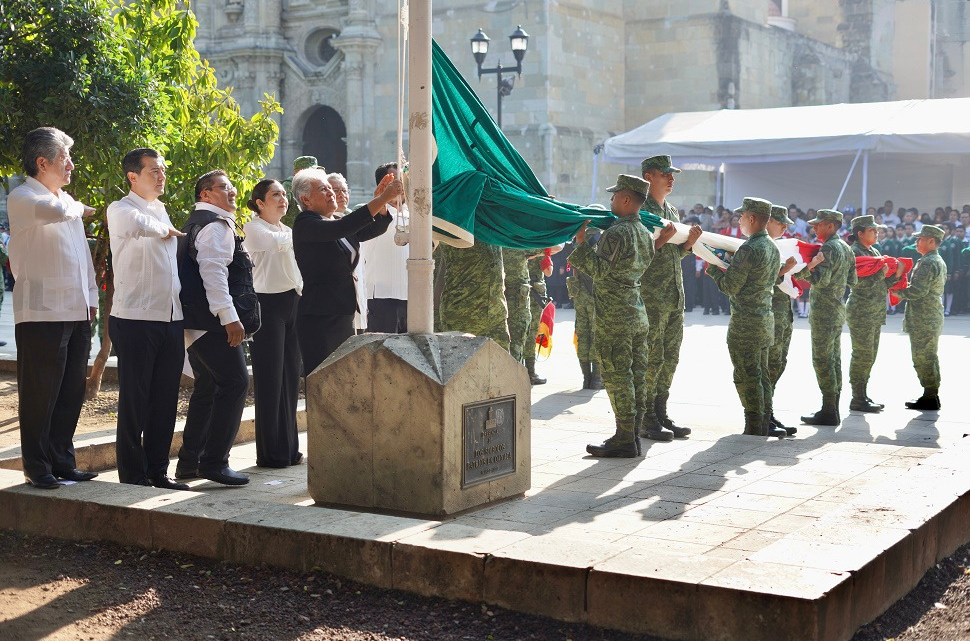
pixel 544 337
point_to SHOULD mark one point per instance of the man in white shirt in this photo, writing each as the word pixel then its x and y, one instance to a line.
pixel 385 270
pixel 146 323
pixel 219 305
pixel 55 299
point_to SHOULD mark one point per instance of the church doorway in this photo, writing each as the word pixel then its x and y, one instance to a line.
pixel 325 137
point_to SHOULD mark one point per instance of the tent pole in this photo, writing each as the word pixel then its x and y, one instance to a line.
pixel 865 182
pixel 847 178
pixel 717 185
pixel 420 265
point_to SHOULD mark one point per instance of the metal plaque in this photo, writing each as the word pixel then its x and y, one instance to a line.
pixel 488 440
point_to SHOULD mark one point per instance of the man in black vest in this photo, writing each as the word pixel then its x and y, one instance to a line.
pixel 327 251
pixel 218 302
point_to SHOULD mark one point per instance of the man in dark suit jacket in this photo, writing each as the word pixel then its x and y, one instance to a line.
pixel 327 251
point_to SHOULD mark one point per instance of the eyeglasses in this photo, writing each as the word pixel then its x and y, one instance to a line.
pixel 340 190
pixel 225 188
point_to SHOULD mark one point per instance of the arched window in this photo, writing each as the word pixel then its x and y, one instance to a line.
pixel 325 137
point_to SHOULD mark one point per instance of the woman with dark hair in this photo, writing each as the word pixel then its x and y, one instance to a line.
pixel 275 351
pixel 866 312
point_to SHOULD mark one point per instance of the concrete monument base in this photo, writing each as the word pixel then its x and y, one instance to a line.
pixel 429 424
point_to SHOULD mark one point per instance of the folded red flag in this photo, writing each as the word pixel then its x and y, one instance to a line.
pixel 869 265
pixel 807 251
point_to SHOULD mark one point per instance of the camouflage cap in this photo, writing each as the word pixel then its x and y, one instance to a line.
pixel 633 183
pixel 865 222
pixel 304 162
pixel 930 231
pixel 663 163
pixel 780 214
pixel 826 214
pixel 737 211
pixel 756 205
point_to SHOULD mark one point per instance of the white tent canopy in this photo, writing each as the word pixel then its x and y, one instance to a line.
pixel 913 151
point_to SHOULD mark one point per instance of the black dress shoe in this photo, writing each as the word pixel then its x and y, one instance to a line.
pixel 166 483
pixel 183 473
pixel 298 459
pixel 76 475
pixel 2 343
pixel 226 476
pixel 45 482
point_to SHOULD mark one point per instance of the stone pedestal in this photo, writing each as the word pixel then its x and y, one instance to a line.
pixel 421 424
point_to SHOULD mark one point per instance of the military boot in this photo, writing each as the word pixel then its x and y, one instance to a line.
pixel 828 415
pixel 769 429
pixel 621 445
pixel 637 422
pixel 651 428
pixel 530 364
pixel 660 407
pixel 587 367
pixel 930 400
pixel 753 424
pixel 792 431
pixel 596 377
pixel 860 402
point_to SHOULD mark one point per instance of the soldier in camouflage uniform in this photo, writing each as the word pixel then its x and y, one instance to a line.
pixel 517 290
pixel 581 291
pixel 537 303
pixel 865 313
pixel 472 289
pixel 830 272
pixel 616 265
pixel 662 289
pixel 301 163
pixel 923 320
pixel 782 311
pixel 749 281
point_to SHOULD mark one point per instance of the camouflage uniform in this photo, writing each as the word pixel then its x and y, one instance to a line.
pixel 778 352
pixel 616 265
pixel 517 294
pixel 923 320
pixel 581 291
pixel 473 292
pixel 749 281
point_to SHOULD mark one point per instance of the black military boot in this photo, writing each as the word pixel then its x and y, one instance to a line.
pixel 929 401
pixel 860 402
pixel 769 428
pixel 596 377
pixel 587 367
pixel 530 364
pixel 651 428
pixel 828 415
pixel 621 445
pixel 660 407
pixel 792 431
pixel 637 422
pixel 752 424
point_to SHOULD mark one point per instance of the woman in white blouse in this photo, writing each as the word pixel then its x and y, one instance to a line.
pixel 275 351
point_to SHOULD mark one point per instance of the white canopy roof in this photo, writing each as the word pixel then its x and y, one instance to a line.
pixel 798 133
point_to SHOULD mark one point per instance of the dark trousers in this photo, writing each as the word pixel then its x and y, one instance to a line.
pixel 150 359
pixel 216 406
pixel 320 335
pixel 275 352
pixel 387 315
pixel 52 362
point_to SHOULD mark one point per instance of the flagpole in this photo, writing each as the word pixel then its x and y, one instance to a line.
pixel 420 264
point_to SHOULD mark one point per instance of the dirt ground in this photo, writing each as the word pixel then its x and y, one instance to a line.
pixel 59 590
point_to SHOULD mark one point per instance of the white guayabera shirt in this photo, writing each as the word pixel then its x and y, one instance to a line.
pixel 49 256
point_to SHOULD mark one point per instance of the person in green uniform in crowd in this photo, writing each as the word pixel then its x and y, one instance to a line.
pixel 537 303
pixel 781 308
pixel 923 320
pixel 472 291
pixel 662 289
pixel 517 290
pixel 301 163
pixel 581 291
pixel 865 313
pixel 616 265
pixel 830 272
pixel 748 281
pixel 950 253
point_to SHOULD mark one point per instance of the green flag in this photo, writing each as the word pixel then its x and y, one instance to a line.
pixel 483 190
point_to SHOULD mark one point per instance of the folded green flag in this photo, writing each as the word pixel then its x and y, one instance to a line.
pixel 483 190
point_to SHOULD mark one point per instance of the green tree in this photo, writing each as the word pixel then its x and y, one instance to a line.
pixel 118 75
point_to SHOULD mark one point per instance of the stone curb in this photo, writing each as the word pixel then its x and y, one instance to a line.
pixel 923 520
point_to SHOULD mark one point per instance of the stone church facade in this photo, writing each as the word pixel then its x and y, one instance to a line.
pixel 592 68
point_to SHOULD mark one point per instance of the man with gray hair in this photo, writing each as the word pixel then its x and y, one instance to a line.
pixel 55 300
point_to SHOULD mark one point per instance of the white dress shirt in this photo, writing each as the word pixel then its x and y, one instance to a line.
pixel 215 245
pixel 274 265
pixel 49 256
pixel 386 264
pixel 146 275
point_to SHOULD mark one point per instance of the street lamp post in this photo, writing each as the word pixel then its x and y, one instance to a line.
pixel 519 41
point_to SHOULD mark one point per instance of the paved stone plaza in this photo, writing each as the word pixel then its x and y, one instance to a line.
pixel 737 536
